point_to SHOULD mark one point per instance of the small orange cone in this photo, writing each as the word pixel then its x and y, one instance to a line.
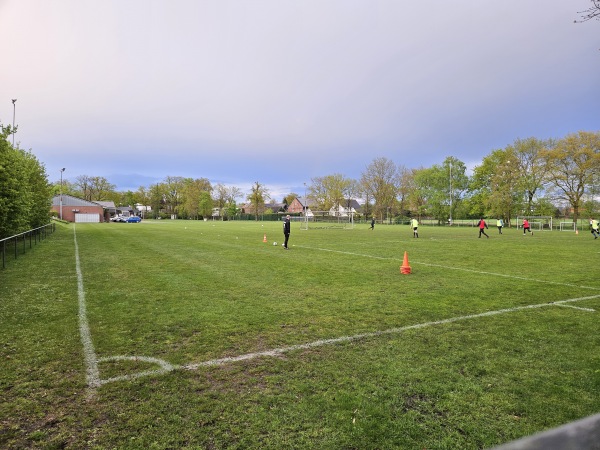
pixel 405 268
pixel 265 238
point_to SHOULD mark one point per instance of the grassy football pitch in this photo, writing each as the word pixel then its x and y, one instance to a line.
pixel 190 334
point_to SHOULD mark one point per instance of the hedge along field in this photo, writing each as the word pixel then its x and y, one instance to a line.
pixel 473 351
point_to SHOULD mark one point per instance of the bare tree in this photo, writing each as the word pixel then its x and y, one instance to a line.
pixel 593 12
pixel 380 181
pixel 257 197
pixel 93 188
pixel 172 189
pixel 83 185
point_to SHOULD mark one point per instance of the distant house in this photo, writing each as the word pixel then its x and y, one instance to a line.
pixel 78 210
pixel 109 209
pixel 125 211
pixel 143 210
pixel 248 208
pixel 276 207
pixel 301 205
pixel 344 210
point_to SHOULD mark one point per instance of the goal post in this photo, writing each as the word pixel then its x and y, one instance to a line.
pixel 568 226
pixel 537 223
pixel 327 220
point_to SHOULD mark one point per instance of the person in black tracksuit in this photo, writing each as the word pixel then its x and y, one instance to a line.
pixel 286 231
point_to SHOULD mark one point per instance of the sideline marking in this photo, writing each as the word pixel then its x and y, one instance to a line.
pixel 91 360
pixel 516 277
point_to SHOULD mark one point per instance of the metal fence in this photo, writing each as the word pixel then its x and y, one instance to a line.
pixel 18 243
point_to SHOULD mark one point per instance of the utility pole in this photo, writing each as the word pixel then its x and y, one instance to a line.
pixel 14 100
pixel 61 172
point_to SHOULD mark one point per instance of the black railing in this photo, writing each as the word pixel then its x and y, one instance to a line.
pixel 18 242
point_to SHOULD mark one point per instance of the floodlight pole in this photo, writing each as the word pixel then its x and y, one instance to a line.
pixel 61 202
pixel 14 100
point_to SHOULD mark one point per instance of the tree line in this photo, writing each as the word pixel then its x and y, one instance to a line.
pixel 530 177
pixel 533 177
pixel 25 194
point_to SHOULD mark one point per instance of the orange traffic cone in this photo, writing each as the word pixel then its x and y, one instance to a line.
pixel 405 268
pixel 265 238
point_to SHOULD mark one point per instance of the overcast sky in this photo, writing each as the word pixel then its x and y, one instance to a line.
pixel 282 91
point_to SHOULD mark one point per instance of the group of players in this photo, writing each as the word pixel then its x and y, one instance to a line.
pixel 482 225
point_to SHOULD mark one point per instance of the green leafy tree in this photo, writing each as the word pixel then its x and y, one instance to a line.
pixel 572 165
pixel 330 191
pixel 496 185
pixel 39 191
pixel 127 198
pixel 190 196
pixel 442 187
pixel 14 201
pixel 24 189
pixel 205 204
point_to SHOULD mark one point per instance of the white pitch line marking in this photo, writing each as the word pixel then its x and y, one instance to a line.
pixel 91 362
pixel 578 307
pixel 452 268
pixel 165 367
pixel 93 373
pixel 320 343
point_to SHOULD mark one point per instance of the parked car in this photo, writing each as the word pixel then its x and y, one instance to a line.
pixel 118 219
pixel 133 219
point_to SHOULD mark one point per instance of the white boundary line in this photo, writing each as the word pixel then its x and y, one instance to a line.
pixel 481 272
pixel 93 373
pixel 91 362
pixel 342 339
pixel 578 307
